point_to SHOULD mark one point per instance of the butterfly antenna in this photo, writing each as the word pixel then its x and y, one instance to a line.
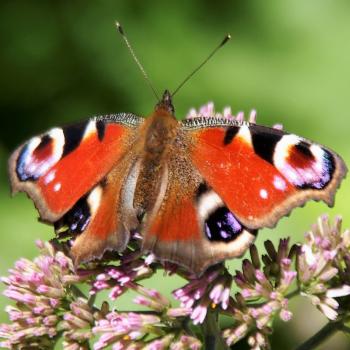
pixel 121 31
pixel 223 42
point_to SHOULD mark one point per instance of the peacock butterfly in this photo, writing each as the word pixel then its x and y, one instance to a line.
pixel 196 190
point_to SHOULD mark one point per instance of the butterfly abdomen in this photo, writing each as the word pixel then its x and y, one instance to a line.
pixel 160 132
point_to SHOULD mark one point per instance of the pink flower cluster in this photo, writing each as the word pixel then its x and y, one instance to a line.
pixel 267 287
pixel 209 290
pixel 39 289
pixel 50 303
pixel 118 279
pixel 208 111
pixel 322 259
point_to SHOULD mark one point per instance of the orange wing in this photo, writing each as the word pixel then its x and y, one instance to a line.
pixel 59 167
pixel 76 174
pixel 261 173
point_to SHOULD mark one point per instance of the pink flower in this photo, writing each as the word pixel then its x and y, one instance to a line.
pixel 125 326
pixel 208 111
pixel 199 312
pixel 38 287
pixel 209 290
pixel 186 342
pixel 319 262
pixel 150 298
pixel 77 324
pixel 118 278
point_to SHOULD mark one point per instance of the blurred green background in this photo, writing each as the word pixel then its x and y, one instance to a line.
pixel 62 61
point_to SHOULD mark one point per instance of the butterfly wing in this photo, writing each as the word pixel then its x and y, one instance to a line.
pixel 261 173
pixel 190 224
pixel 224 180
pixel 75 175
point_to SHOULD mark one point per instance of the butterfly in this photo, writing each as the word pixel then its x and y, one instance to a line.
pixel 196 190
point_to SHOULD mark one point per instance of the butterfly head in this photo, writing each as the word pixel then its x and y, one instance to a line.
pixel 166 103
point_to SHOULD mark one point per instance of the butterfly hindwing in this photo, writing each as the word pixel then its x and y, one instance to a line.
pixel 261 173
pixel 109 219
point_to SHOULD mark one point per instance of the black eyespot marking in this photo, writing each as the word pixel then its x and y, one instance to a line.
pixel 325 176
pixel 329 163
pixel 101 128
pixel 73 135
pixel 221 225
pixel 77 218
pixel 264 143
pixel 230 133
pixel 304 148
pixel 24 172
pixel 45 140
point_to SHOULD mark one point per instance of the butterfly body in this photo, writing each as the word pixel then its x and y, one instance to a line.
pixel 160 131
pixel 196 190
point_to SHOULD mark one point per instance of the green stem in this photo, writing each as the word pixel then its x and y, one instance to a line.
pixel 77 292
pixel 91 300
pixel 211 332
pixel 319 337
pixel 293 294
pixel 345 329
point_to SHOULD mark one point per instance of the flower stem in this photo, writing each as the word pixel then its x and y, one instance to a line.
pixel 91 300
pixel 211 332
pixel 319 337
pixel 77 292
pixel 293 294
